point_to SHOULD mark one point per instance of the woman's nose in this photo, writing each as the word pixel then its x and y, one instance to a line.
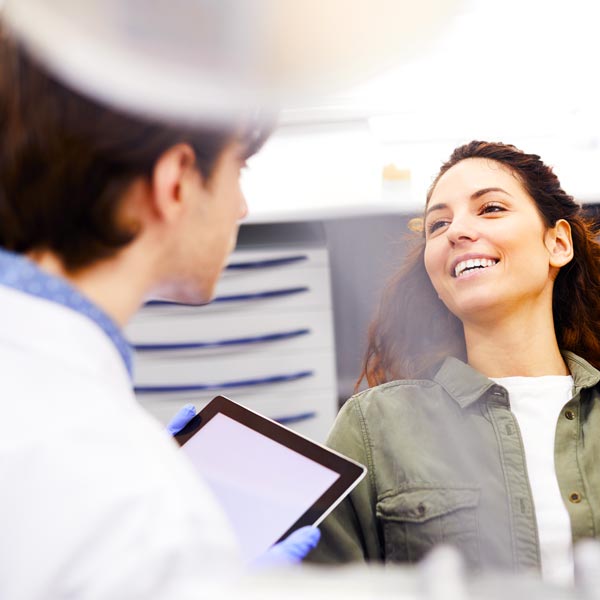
pixel 461 229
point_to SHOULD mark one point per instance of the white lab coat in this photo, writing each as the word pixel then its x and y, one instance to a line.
pixel 95 499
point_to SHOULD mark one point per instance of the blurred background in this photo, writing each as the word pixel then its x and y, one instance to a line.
pixel 372 97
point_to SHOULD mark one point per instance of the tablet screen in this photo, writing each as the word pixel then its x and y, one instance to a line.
pixel 268 479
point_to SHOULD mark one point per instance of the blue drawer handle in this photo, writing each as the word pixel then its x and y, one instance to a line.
pixel 235 298
pixel 295 418
pixel 263 264
pixel 202 387
pixel 271 337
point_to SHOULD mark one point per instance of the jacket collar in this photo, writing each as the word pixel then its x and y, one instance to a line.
pixel 465 385
pixel 584 375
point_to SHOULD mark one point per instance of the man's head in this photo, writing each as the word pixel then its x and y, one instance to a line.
pixel 84 181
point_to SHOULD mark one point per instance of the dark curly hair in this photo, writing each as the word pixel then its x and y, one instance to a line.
pixel 413 331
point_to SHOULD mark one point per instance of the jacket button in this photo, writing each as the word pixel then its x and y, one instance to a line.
pixel 569 414
pixel 575 497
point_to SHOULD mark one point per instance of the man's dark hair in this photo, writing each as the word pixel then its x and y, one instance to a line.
pixel 66 162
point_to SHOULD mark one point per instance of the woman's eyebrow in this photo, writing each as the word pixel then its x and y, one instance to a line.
pixel 474 196
pixel 484 191
pixel 435 207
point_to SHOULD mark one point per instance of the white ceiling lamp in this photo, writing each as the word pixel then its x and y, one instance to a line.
pixel 210 59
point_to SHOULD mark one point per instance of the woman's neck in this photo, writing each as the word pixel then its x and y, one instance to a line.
pixel 523 345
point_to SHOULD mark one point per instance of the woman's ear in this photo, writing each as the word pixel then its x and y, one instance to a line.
pixel 559 242
pixel 169 177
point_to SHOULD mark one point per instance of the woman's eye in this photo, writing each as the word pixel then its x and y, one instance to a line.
pixel 433 227
pixel 491 208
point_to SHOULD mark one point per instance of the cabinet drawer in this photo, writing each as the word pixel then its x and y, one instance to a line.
pixel 300 283
pixel 215 371
pixel 316 279
pixel 264 301
pixel 265 341
pixel 310 413
pixel 246 259
pixel 273 332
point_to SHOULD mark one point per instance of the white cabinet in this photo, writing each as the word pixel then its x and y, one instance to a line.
pixel 265 341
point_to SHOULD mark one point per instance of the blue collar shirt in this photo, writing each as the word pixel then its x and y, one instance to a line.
pixel 20 273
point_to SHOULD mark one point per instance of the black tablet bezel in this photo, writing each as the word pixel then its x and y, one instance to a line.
pixel 350 472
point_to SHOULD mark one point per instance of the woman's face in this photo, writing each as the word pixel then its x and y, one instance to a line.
pixel 486 249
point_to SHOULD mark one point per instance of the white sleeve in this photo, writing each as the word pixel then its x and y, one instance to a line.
pixel 109 510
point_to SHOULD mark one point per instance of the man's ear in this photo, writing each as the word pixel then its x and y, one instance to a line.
pixel 169 177
pixel 559 242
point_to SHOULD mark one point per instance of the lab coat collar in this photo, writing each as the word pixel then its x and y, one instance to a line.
pixel 20 273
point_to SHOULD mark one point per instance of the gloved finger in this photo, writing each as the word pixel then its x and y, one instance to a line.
pixel 299 543
pixel 181 419
pixel 291 550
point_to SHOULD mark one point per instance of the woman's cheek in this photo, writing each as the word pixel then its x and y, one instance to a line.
pixel 432 267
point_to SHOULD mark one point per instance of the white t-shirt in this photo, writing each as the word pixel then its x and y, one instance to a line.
pixel 536 403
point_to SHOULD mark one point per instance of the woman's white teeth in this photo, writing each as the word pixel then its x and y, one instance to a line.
pixel 472 263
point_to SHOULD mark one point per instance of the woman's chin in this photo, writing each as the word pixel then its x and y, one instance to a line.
pixel 478 310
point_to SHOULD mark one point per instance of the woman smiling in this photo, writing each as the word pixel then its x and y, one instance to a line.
pixel 482 426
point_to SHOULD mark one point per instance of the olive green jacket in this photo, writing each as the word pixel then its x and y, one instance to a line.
pixel 446 464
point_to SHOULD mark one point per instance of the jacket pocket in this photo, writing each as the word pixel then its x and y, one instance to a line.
pixel 421 516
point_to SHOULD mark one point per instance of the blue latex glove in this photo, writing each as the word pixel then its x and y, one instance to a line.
pixel 290 551
pixel 181 419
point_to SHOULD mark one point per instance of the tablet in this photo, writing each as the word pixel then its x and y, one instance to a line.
pixel 269 480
